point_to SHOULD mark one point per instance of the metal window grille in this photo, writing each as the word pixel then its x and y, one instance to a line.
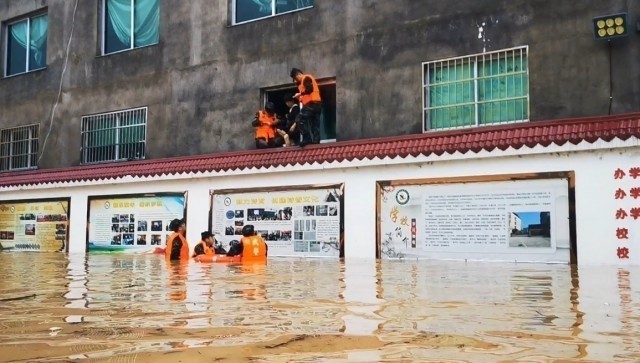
pixel 19 148
pixel 476 90
pixel 114 136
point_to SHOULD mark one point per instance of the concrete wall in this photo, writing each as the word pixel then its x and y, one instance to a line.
pixel 594 167
pixel 202 81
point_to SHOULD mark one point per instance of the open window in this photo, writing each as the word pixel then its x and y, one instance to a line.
pixel 327 92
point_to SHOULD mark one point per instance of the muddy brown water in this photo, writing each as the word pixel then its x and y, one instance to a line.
pixel 135 308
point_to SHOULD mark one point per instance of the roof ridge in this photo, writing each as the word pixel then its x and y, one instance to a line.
pixel 503 136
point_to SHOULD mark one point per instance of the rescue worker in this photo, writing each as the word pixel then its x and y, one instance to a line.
pixel 205 246
pixel 265 123
pixel 177 247
pixel 308 120
pixel 252 247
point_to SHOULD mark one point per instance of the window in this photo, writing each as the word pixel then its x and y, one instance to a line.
pixel 129 24
pixel 26 42
pixel 328 115
pixel 114 136
pixel 19 148
pixel 247 10
pixel 488 88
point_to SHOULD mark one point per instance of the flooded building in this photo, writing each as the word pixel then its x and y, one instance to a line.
pixel 112 81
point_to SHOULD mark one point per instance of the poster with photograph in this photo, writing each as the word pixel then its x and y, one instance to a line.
pixel 38 225
pixel 523 220
pixel 132 223
pixel 293 223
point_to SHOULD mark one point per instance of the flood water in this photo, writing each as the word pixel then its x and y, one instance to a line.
pixel 135 308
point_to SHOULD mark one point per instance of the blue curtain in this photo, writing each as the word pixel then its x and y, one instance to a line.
pixel 146 22
pixel 37 49
pixel 38 42
pixel 119 17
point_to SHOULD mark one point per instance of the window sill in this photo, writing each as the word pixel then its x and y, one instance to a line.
pixel 18 169
pixel 127 50
pixel 269 16
pixel 25 73
pixel 475 126
pixel 110 161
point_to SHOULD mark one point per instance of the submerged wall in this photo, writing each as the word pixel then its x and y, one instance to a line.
pixel 607 201
pixel 207 79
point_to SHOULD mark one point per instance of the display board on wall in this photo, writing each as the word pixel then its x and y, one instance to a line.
pixel 132 223
pixel 302 222
pixel 518 220
pixel 34 225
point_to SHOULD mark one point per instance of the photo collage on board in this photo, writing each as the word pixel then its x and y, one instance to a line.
pixel 127 230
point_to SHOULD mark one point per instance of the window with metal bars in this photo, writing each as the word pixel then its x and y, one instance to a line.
pixel 19 148
pixel 481 89
pixel 114 136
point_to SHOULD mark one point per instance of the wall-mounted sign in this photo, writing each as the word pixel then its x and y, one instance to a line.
pixel 34 225
pixel 303 222
pixel 510 220
pixel 138 223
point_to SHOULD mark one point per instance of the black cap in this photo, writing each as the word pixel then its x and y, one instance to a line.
pixel 175 224
pixel 206 234
pixel 289 97
pixel 294 71
pixel 248 230
pixel 270 106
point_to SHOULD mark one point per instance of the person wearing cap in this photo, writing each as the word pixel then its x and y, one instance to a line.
pixel 205 246
pixel 265 123
pixel 308 120
pixel 177 247
pixel 252 247
pixel 208 245
pixel 290 119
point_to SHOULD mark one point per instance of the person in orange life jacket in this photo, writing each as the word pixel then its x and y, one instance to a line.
pixel 177 247
pixel 252 247
pixel 290 126
pixel 265 123
pixel 308 120
pixel 207 245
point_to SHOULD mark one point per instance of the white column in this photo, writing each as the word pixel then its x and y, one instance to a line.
pixel 359 216
pixel 78 222
pixel 198 203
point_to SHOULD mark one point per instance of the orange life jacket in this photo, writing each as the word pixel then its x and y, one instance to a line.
pixel 313 96
pixel 205 247
pixel 184 250
pixel 254 249
pixel 267 127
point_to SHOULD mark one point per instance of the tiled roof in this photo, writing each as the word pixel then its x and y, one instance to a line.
pixel 487 138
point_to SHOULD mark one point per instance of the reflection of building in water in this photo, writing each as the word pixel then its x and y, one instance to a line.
pixel 628 330
pixel 515 223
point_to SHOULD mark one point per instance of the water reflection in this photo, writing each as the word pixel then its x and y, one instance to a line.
pixel 137 308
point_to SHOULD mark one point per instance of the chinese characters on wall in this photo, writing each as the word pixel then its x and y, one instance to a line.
pixel 627 214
